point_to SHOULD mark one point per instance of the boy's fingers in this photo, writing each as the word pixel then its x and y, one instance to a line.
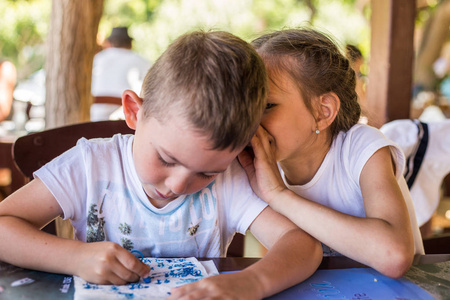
pixel 124 272
pixel 116 280
pixel 144 271
pixel 132 268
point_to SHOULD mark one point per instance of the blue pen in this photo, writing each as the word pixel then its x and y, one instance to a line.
pixel 141 257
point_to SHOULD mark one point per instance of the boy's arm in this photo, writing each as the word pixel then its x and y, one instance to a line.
pixel 26 211
pixel 293 256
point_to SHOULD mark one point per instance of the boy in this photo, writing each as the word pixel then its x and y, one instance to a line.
pixel 172 189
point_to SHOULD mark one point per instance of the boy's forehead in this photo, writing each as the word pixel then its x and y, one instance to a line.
pixel 180 142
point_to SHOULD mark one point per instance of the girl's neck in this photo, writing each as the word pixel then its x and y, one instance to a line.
pixel 302 168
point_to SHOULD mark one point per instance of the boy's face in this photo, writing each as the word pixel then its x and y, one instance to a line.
pixel 171 159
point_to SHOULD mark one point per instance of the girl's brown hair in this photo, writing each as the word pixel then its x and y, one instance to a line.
pixel 316 65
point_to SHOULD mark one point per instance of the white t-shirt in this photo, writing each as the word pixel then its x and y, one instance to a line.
pixel 336 183
pixel 98 189
pixel 425 191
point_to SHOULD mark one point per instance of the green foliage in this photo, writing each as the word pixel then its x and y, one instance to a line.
pixel 247 19
pixel 22 36
pixel 155 23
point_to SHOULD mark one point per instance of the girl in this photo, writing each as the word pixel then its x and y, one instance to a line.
pixel 340 181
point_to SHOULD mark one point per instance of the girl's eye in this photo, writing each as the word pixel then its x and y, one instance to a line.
pixel 165 163
pixel 269 105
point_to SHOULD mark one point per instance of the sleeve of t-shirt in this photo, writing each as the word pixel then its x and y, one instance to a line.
pixel 65 177
pixel 363 143
pixel 238 203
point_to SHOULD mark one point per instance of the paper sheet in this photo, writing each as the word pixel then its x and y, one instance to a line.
pixel 165 274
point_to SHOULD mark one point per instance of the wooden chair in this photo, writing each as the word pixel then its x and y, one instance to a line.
pixel 439 244
pixel 108 100
pixel 34 150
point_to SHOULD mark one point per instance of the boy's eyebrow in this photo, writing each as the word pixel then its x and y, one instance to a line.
pixel 178 162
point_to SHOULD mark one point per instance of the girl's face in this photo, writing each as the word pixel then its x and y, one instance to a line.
pixel 172 160
pixel 287 119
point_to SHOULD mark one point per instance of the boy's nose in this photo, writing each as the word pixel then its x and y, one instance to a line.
pixel 178 183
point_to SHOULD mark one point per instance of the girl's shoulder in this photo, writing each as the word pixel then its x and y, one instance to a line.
pixel 359 143
pixel 360 135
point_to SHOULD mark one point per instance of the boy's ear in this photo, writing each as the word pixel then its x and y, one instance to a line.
pixel 329 105
pixel 132 104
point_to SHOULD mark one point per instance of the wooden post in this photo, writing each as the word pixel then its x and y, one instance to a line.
pixel 72 41
pixel 391 60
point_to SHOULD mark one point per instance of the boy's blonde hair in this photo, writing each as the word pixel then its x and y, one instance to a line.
pixel 214 80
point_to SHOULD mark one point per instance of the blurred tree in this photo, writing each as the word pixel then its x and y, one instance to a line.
pixel 22 34
pixel 71 49
pixel 436 32
pixel 155 23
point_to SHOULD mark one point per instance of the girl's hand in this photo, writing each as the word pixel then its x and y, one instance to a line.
pixel 108 263
pixel 224 286
pixel 261 167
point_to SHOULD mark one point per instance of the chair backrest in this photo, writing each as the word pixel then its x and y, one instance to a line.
pixel 439 244
pixel 34 150
pixel 108 100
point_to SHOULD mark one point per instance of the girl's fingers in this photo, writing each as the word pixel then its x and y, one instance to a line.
pixel 266 139
pixel 264 146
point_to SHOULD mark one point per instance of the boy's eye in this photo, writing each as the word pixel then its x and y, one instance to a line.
pixel 269 105
pixel 205 176
pixel 165 163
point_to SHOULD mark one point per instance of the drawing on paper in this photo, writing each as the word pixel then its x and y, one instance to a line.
pixel 165 274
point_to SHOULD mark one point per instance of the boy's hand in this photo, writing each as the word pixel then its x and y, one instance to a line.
pixel 261 167
pixel 108 263
pixel 224 286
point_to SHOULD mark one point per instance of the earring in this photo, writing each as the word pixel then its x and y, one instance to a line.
pixel 317 131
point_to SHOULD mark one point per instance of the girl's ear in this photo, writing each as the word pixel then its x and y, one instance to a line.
pixel 132 104
pixel 329 105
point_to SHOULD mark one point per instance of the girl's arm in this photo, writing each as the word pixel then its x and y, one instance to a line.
pixel 293 256
pixel 383 240
pixel 30 208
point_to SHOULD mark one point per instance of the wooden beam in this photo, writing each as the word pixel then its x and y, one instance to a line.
pixel 391 60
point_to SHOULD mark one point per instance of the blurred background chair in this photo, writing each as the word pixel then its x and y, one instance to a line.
pixel 439 244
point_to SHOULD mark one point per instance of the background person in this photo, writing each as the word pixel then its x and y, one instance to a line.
pixel 8 78
pixel 115 69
